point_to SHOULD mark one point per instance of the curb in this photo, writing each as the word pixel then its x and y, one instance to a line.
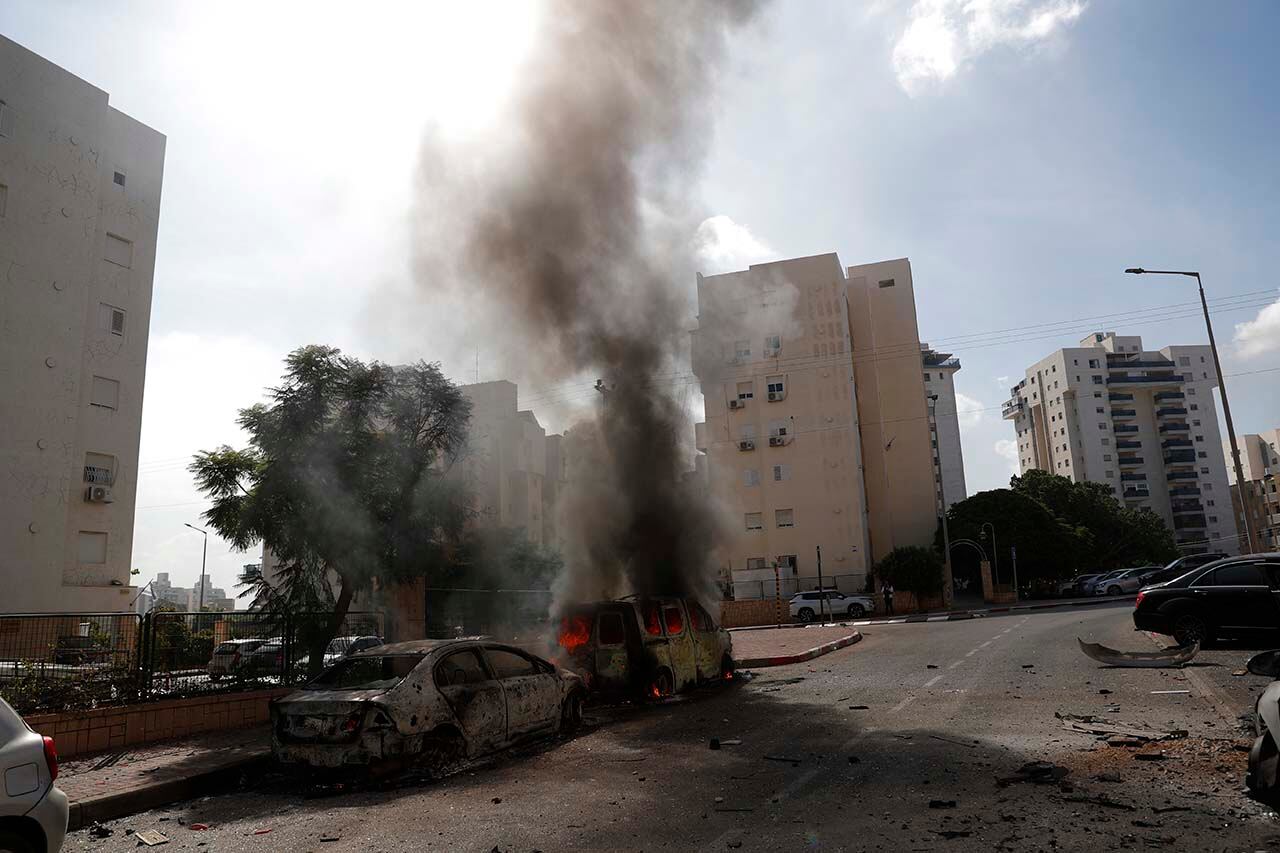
pixel 84 812
pixel 801 657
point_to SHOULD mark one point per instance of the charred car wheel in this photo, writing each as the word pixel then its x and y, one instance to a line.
pixel 1190 629
pixel 662 685
pixel 857 611
pixel 442 752
pixel 571 713
pixel 805 614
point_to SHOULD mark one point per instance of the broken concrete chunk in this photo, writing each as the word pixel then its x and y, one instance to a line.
pixel 151 837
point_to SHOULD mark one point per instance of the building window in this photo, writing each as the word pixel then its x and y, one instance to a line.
pixel 756 563
pixel 781 473
pixel 742 350
pixel 1191 392
pixel 99 468
pixel 1111 473
pixel 110 318
pixel 777 428
pixel 1102 426
pixel 772 344
pixel 926 378
pixel 746 390
pixel 93 547
pixel 1202 454
pixel 118 251
pixel 1208 503
pixel 105 393
pixel 775 385
pixel 1101 411
pixel 1195 407
pixel 750 477
pixel 1195 423
pixel 787 562
pixel 1097 380
pixel 1184 361
pixel 1093 362
pixel 888 282
pixel 1204 470
pixel 784 518
pixel 755 521
pixel 1106 457
pixel 118 179
pixel 1106 441
pixel 1208 487
pixel 1199 438
pixel 1213 519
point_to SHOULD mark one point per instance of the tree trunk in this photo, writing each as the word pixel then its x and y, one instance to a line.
pixel 320 640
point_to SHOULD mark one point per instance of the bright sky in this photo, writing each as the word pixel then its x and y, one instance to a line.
pixel 1021 153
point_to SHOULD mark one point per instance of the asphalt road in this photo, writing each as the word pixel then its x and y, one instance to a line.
pixel 951 707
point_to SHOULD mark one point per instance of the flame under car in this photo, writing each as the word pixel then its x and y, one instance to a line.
pixel 644 648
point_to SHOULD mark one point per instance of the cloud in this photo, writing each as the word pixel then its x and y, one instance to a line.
pixel 1008 448
pixel 968 411
pixel 723 245
pixel 1002 381
pixel 1261 334
pixel 943 36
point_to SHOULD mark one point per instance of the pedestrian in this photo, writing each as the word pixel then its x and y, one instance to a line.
pixel 887 589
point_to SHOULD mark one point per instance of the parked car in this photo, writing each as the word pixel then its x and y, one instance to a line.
pixel 807 606
pixel 1181 566
pixel 645 648
pixel 340 647
pixel 1237 596
pixel 1263 777
pixel 1118 583
pixel 266 659
pixel 425 701
pixel 1075 586
pixel 33 810
pixel 230 656
pixel 1090 587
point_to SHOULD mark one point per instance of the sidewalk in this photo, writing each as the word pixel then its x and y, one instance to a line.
pixel 114 784
pixel 779 646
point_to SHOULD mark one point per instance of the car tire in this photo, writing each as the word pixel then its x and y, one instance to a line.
pixel 728 669
pixel 1262 763
pixel 1190 628
pixel 442 752
pixel 1114 590
pixel 662 685
pixel 805 614
pixel 15 843
pixel 857 611
pixel 571 713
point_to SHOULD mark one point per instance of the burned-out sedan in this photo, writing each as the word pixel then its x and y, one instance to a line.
pixel 425 702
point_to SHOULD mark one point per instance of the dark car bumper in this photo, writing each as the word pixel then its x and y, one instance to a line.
pixel 1157 623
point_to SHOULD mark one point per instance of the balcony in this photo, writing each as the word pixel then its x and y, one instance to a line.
pixel 1011 408
pixel 1182 491
pixel 1187 506
pixel 1170 411
pixel 1170 395
pixel 1180 475
pixel 1179 457
pixel 1124 413
pixel 1176 442
pixel 1127 443
pixel 1137 493
pixel 1175 427
pixel 1117 397
pixel 1132 460
pixel 1131 477
pixel 1184 522
pixel 1124 365
pixel 1125 428
pixel 1158 379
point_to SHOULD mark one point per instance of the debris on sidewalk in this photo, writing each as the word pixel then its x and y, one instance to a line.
pixel 1037 773
pixel 942 804
pixel 100 831
pixel 1089 724
pixel 151 837
pixel 1171 657
pixel 794 762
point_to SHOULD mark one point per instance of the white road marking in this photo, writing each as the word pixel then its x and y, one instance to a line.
pixel 904 703
pixel 971 653
pixel 956 664
pixel 984 645
pixel 933 681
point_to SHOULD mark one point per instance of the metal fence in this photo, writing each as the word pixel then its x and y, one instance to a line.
pixel 748 590
pixel 64 661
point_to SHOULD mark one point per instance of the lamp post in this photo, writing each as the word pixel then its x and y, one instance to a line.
pixel 948 592
pixel 1222 385
pixel 204 553
pixel 995 556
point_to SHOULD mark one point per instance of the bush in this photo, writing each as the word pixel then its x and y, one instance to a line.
pixel 918 570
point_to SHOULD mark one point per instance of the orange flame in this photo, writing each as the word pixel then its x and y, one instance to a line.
pixel 575 632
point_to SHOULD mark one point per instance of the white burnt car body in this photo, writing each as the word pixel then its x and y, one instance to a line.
pixel 426 701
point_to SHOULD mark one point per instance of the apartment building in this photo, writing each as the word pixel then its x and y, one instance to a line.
pixel 79 209
pixel 506 460
pixel 1144 423
pixel 940 369
pixel 817 427
pixel 1260 463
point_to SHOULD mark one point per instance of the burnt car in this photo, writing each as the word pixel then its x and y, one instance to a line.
pixel 1263 777
pixel 424 702
pixel 1235 597
pixel 645 648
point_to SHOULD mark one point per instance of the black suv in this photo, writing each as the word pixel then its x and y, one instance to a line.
pixel 1231 597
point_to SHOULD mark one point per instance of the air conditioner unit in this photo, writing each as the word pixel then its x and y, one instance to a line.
pixel 737 404
pixel 98 495
pixel 776 396
pixel 746 444
pixel 777 440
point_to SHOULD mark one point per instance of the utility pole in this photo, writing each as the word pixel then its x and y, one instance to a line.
pixel 204 554
pixel 822 593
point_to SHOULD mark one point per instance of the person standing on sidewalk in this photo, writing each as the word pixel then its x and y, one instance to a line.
pixel 887 590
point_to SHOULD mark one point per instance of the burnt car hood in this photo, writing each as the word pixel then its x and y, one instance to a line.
pixel 331 696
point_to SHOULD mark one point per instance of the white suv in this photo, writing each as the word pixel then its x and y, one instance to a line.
pixel 33 811
pixel 807 606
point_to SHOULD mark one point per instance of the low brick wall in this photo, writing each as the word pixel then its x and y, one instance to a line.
pixel 760 611
pixel 79 732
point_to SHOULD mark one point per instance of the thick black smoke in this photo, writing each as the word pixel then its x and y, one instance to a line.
pixel 568 232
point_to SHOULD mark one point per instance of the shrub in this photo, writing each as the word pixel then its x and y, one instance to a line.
pixel 912 568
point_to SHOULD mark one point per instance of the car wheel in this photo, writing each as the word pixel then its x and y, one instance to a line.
pixel 1263 776
pixel 571 713
pixel 857 611
pixel 442 753
pixel 12 842
pixel 662 685
pixel 1114 590
pixel 727 668
pixel 805 614
pixel 1190 629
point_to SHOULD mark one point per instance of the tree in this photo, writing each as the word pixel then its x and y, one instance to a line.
pixel 912 568
pixel 1046 546
pixel 344 479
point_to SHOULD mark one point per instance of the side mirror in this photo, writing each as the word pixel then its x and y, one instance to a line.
pixel 1265 663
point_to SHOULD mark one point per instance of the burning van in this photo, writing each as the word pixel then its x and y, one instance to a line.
pixel 653 647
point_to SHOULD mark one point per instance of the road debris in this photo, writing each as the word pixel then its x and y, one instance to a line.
pixel 1037 773
pixel 151 837
pixel 1168 692
pixel 859 708
pixel 794 762
pixel 714 744
pixel 1175 656
pixel 1150 756
pixel 965 744
pixel 1239 672
pixel 1167 809
pixel 1101 800
pixel 1089 724
pixel 733 741
pixel 942 804
pixel 100 831
pixel 952 834
pixel 198 827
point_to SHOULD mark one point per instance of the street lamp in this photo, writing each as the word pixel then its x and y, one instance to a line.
pixel 995 556
pixel 948 592
pixel 1222 385
pixel 204 552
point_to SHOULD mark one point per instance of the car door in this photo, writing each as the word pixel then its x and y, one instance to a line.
pixel 612 660
pixel 531 688
pixel 705 640
pixel 476 699
pixel 1230 596
pixel 684 662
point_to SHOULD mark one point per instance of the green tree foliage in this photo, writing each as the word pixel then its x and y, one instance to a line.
pixel 1044 544
pixel 503 558
pixel 344 479
pixel 912 568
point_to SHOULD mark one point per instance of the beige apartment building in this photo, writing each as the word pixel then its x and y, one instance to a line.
pixel 818 427
pixel 1144 423
pixel 79 209
pixel 1260 463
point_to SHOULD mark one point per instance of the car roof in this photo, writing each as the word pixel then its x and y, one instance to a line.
pixel 417 647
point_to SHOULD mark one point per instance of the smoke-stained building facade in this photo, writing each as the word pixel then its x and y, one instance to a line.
pixel 79 212
pixel 817 429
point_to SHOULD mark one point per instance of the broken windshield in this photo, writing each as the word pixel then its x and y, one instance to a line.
pixel 366 673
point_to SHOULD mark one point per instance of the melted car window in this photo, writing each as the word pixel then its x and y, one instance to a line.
pixel 674 620
pixel 611 631
pixel 509 664
pixel 366 673
pixel 651 624
pixel 460 668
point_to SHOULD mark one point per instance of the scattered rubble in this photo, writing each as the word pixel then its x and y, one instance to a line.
pixel 1036 772
pixel 151 837
pixel 1089 724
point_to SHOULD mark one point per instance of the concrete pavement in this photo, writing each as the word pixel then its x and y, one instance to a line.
pixel 894 744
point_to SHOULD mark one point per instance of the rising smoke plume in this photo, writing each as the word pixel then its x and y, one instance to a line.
pixel 573 236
